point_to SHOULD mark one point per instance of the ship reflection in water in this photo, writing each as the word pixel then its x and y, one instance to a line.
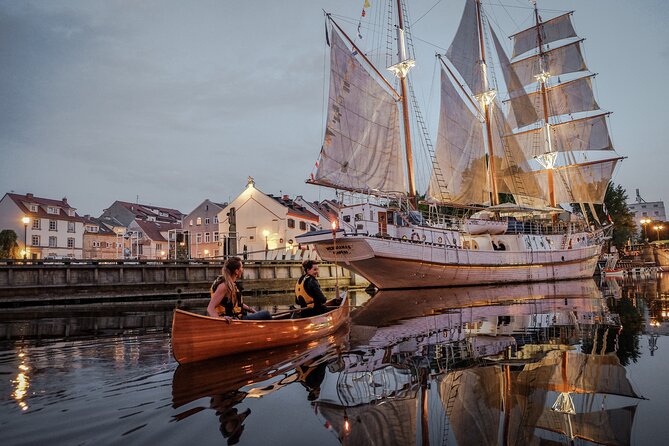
pixel 518 364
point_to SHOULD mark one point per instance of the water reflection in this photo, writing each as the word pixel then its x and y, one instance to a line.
pixel 228 381
pixel 518 364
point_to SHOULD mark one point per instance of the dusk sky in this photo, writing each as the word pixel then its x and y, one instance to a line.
pixel 173 102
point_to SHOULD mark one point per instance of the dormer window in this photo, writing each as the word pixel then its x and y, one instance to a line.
pixel 52 210
pixel 70 212
pixel 151 218
pixel 33 208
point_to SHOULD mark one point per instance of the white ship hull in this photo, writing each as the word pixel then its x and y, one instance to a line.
pixel 392 263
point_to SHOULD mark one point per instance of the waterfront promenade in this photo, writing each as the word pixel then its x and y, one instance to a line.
pixel 83 281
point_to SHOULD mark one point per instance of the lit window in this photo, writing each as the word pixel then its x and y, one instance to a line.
pixel 198 222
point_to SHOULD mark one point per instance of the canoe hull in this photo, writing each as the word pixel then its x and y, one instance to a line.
pixel 196 337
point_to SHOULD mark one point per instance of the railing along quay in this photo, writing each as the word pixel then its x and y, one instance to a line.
pixel 24 282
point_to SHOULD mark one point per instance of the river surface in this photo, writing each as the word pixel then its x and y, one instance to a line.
pixel 551 363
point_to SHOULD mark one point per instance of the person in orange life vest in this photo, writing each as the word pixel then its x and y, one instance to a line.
pixel 226 299
pixel 308 294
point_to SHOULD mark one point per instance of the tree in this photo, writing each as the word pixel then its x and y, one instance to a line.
pixel 615 209
pixel 9 248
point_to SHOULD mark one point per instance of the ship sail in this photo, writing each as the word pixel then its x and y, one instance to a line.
pixel 564 117
pixel 461 152
pixel 362 147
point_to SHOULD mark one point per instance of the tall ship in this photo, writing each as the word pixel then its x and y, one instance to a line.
pixel 505 160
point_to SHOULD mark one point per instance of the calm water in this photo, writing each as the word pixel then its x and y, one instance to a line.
pixel 449 366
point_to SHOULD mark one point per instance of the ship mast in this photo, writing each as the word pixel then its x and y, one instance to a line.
pixel 401 69
pixel 486 99
pixel 547 159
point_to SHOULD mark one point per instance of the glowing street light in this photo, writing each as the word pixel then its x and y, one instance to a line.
pixel 25 221
pixel 644 222
pixel 657 230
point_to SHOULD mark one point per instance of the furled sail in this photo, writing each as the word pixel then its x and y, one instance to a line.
pixel 459 151
pixel 464 52
pixel 361 149
pixel 553 30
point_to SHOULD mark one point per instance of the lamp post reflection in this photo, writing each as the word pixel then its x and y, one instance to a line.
pixel 25 221
pixel 22 382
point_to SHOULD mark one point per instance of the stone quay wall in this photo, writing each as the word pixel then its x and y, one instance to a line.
pixel 79 281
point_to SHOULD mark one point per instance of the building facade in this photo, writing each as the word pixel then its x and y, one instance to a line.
pixel 201 231
pixel 51 230
pixel 101 242
pixel 259 226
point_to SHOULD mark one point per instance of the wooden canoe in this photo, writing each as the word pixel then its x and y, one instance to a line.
pixel 196 337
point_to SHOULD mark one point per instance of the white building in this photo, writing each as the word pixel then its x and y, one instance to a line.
pixel 259 226
pixel 647 210
pixel 53 228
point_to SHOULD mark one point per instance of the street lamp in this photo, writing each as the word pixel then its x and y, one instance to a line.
pixel 657 231
pixel 644 222
pixel 266 234
pixel 25 221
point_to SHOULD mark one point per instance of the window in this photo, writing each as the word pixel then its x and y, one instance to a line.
pixel 95 244
pixel 53 242
pixel 198 222
pixel 198 237
pixel 52 210
pixel 347 218
pixel 108 245
pixel 70 212
pixel 207 237
pixel 70 226
pixel 191 222
pixel 35 240
pixel 70 242
pixel 303 225
pixel 207 220
pixel 291 223
pixel 53 225
pixel 216 236
pixel 36 224
pixel 159 247
pixel 33 208
pixel 215 219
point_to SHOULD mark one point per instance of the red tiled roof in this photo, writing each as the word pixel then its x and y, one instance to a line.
pixel 153 229
pixel 147 210
pixel 295 209
pixel 63 205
